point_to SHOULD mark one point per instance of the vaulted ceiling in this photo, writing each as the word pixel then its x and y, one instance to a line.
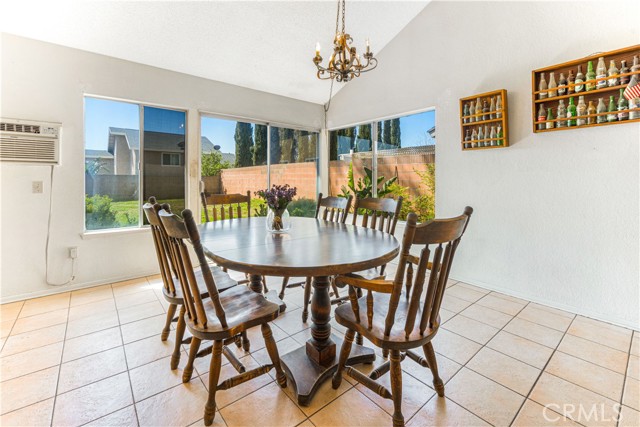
pixel 263 45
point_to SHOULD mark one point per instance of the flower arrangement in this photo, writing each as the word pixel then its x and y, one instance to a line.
pixel 277 198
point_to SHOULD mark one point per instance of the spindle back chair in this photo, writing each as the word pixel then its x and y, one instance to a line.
pixel 380 214
pixel 334 209
pixel 172 293
pixel 415 308
pixel 221 316
pixel 224 205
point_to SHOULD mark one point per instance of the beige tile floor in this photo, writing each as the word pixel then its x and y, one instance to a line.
pixel 94 357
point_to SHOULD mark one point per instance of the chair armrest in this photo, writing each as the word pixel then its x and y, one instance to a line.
pixel 384 286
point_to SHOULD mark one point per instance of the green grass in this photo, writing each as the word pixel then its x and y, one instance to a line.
pixel 127 212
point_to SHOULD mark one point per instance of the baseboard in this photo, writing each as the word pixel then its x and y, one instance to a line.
pixel 625 323
pixel 51 290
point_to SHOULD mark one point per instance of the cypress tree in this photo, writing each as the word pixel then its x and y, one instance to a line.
pixel 395 139
pixel 286 145
pixel 386 133
pixel 333 145
pixel 244 144
pixel 260 147
pixel 275 146
pixel 364 132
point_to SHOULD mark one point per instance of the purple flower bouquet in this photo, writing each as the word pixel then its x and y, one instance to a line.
pixel 278 198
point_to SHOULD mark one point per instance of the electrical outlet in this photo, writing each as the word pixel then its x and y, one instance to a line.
pixel 36 187
pixel 73 252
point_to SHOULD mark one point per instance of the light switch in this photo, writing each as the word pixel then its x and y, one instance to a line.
pixel 36 187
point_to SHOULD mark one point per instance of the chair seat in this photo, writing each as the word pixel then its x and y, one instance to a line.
pixel 222 279
pixel 370 274
pixel 243 309
pixel 396 340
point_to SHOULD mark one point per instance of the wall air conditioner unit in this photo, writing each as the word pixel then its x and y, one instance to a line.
pixel 27 141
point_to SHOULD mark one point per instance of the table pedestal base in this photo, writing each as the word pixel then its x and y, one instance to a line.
pixel 307 376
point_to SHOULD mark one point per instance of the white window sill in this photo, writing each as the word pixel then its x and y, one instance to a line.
pixel 114 232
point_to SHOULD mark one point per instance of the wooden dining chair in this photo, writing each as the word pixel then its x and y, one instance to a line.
pixel 228 206
pixel 172 293
pixel 417 312
pixel 334 209
pixel 379 214
pixel 220 317
pixel 225 206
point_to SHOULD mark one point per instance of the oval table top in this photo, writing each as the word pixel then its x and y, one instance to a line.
pixel 312 247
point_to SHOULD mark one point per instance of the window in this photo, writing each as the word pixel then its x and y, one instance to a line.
pixel 240 156
pixel 126 147
pixel 403 163
pixel 170 159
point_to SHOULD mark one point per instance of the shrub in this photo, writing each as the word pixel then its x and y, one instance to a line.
pixel 395 191
pixel 302 207
pixel 212 163
pixel 98 212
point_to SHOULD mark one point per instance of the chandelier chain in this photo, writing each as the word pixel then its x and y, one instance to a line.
pixel 338 17
pixel 344 12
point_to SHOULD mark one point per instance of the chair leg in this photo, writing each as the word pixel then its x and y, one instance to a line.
pixel 193 351
pixel 214 376
pixel 334 287
pixel 175 358
pixel 264 284
pixel 385 352
pixel 396 388
pixel 246 344
pixel 307 297
pixel 272 349
pixel 359 340
pixel 430 355
pixel 171 312
pixel 285 282
pixel 344 354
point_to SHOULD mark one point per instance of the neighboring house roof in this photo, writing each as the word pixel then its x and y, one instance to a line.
pixel 162 141
pixel 229 157
pixel 97 154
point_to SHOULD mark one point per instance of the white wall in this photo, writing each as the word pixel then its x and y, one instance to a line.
pixel 556 214
pixel 41 81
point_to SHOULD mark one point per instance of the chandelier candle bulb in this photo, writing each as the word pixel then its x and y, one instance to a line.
pixel 317 48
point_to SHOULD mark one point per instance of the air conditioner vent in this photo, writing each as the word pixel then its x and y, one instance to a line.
pixel 16 127
pixel 29 142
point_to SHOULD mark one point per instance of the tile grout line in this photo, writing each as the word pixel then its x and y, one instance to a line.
pixel 55 396
pixel 624 381
pixel 12 326
pixel 474 355
pixel 126 360
pixel 542 371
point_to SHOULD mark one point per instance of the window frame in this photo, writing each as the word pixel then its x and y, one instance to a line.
pixel 374 138
pixel 141 105
pixel 221 116
pixel 162 163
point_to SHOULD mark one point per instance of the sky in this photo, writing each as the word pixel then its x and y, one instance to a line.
pixel 412 130
pixel 100 114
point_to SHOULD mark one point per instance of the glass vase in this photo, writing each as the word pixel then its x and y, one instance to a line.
pixel 278 220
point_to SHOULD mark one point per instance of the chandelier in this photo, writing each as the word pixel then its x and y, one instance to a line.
pixel 345 63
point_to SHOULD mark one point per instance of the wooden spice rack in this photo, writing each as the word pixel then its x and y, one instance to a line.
pixel 618 55
pixel 468 122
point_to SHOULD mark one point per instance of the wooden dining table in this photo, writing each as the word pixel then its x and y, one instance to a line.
pixel 311 248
